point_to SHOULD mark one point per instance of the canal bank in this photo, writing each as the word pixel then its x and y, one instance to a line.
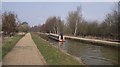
pixel 53 55
pixel 89 53
pixel 95 41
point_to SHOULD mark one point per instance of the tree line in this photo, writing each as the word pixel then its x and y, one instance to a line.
pixel 10 24
pixel 76 25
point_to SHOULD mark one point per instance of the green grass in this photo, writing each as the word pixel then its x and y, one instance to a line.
pixel 52 55
pixel 9 43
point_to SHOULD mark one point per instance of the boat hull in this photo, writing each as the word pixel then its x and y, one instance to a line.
pixel 57 39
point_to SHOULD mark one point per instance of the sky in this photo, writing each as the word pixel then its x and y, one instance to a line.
pixel 36 13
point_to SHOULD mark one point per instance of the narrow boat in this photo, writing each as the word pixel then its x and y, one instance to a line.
pixel 61 38
pixel 57 38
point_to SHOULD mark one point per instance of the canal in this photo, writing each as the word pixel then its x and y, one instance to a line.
pixel 90 54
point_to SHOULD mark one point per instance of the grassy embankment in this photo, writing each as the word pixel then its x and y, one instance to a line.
pixel 52 55
pixel 9 43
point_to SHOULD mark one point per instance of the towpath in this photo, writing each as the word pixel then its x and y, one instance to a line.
pixel 91 40
pixel 24 53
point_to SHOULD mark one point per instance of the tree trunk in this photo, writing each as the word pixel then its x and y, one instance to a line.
pixel 76 27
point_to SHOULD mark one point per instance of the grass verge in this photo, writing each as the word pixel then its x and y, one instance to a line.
pixel 52 55
pixel 9 43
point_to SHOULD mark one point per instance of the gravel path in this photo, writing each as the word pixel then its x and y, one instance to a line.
pixel 24 53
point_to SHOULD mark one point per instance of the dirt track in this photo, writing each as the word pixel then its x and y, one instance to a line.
pixel 24 53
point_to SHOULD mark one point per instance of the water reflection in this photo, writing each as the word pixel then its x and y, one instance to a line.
pixel 90 54
pixel 93 54
pixel 60 43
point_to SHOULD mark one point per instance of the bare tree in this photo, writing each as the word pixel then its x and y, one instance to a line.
pixel 73 19
pixel 112 20
pixel 53 25
pixel 78 18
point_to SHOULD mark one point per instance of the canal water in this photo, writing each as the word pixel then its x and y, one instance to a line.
pixel 90 54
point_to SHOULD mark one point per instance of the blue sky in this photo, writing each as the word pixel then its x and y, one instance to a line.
pixel 37 12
